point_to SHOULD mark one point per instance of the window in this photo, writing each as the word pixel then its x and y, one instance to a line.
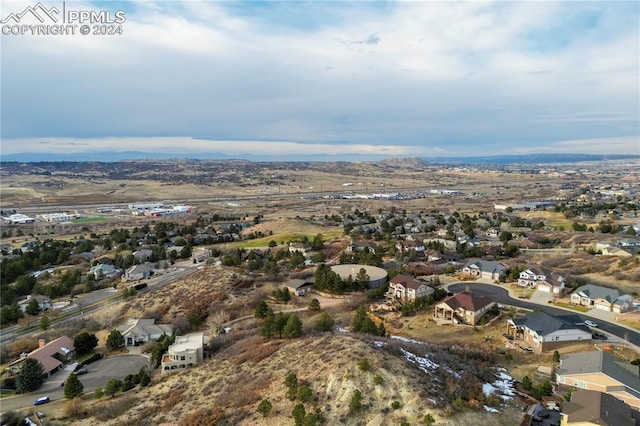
pixel 182 358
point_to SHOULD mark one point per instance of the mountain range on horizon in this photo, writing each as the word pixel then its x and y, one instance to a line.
pixel 110 156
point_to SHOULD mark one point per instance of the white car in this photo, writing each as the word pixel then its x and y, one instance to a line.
pixel 590 323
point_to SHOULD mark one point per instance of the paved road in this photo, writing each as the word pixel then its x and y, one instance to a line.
pixel 501 295
pixel 99 373
pixel 83 301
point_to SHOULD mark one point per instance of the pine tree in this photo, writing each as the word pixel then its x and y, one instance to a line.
pixel 73 387
pixel 30 377
pixel 265 407
pixel 293 327
pixel 115 340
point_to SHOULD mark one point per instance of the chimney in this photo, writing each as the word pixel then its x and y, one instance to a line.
pixel 41 343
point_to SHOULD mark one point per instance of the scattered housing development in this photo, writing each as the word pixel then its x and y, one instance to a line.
pixel 462 308
pixel 600 371
pixel 545 332
pixel 603 298
pixel 187 351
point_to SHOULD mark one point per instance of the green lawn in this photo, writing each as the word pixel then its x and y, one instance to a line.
pixel 89 219
pixel 279 238
pixel 570 306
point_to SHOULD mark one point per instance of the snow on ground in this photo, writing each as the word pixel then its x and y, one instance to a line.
pixel 424 364
pixel 490 409
pixel 342 330
pixel 406 339
pixel 378 344
pixel 504 385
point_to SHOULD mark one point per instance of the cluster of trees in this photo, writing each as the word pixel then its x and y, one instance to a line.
pixel 365 257
pixel 363 324
pixel 327 280
pixel 85 343
pixel 115 340
pixel 410 307
pixel 159 348
pixel 282 295
pixel 281 324
pixel 114 386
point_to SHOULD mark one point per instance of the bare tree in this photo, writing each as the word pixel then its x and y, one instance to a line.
pixel 216 321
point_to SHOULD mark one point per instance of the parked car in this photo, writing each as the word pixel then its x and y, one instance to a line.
pixel 41 401
pixel 590 323
pixel 598 336
pixel 82 370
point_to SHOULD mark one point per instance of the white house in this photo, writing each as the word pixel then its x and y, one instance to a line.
pixel 542 279
pixel 187 351
pixel 405 288
pixel 138 272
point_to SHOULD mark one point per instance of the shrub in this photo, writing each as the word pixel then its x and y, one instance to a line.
pixel 356 400
pixel 264 407
pixel 364 365
pixel 396 405
pixel 377 379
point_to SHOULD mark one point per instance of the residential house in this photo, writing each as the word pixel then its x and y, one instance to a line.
pixel 299 247
pixel 44 302
pixel 187 351
pixel 358 247
pixel 406 245
pixel 596 408
pixel 484 269
pixel 201 254
pixel 462 308
pixel 544 332
pixel 405 288
pixel 52 355
pixel 104 270
pixel 600 371
pixel 542 279
pixel 143 255
pixel 299 287
pixel 615 251
pixel 138 272
pixel 137 331
pixel 603 298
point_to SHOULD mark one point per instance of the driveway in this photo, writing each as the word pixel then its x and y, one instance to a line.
pixel 501 295
pixel 98 374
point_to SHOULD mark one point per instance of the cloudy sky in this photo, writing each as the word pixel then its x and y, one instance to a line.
pixel 329 77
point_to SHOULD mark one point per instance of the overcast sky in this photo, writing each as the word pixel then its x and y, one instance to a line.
pixel 331 77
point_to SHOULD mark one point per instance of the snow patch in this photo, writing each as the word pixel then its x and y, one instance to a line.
pixel 490 409
pixel 406 339
pixel 503 386
pixel 342 330
pixel 378 344
pixel 424 364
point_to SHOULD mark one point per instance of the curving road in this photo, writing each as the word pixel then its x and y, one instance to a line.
pixel 501 295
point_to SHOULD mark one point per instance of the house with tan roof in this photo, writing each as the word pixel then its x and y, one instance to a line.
pixel 187 351
pixel 405 288
pixel 603 372
pixel 462 308
pixel 52 355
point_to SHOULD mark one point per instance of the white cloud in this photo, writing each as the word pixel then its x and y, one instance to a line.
pixel 438 75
